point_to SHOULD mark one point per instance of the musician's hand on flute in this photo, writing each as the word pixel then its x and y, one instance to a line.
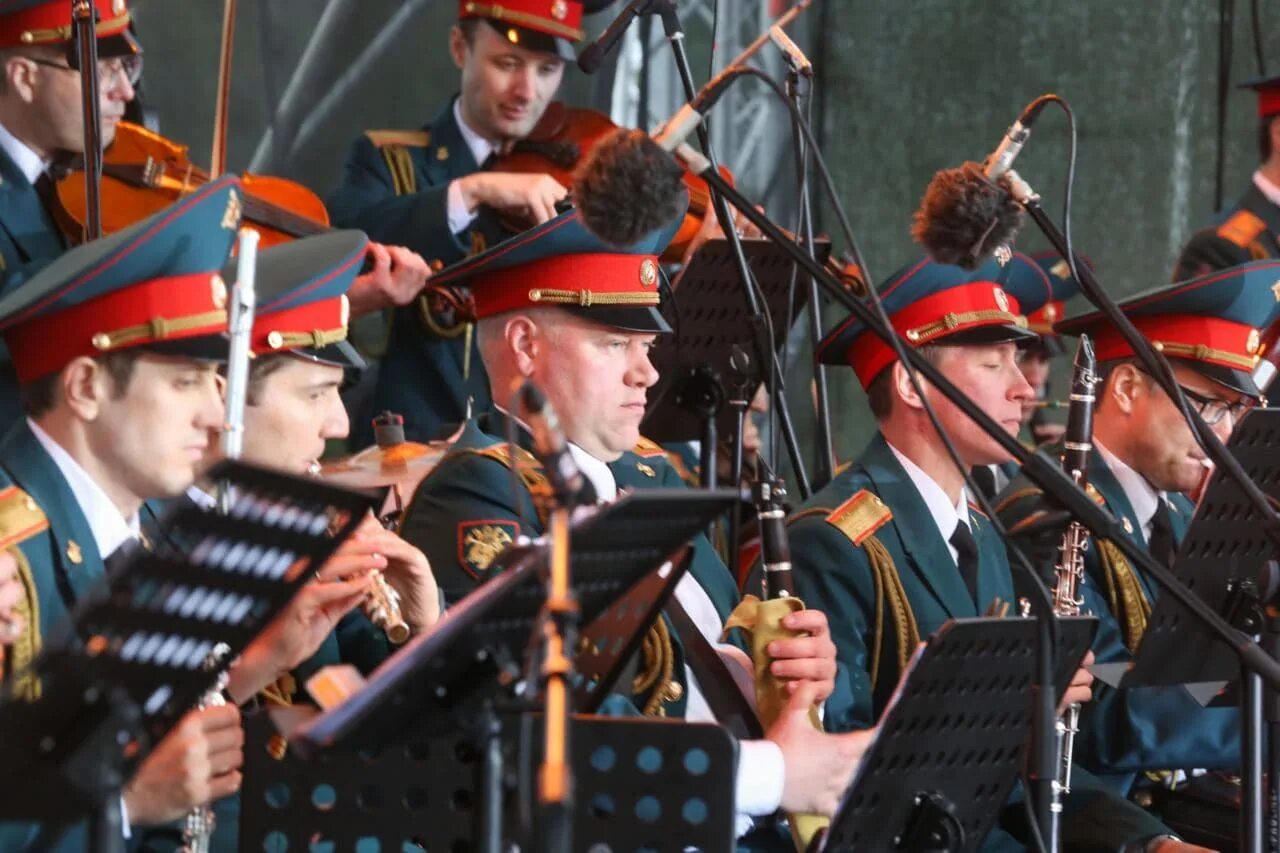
pixel 296 634
pixel 12 593
pixel 196 763
pixel 809 659
pixel 1079 690
pixel 405 568
pixel 818 765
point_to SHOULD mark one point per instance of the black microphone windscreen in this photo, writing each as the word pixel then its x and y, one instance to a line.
pixel 627 186
pixel 964 217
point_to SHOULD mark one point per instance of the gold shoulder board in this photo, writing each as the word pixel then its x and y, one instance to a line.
pixel 648 448
pixel 413 138
pixel 20 517
pixel 860 516
pixel 1242 228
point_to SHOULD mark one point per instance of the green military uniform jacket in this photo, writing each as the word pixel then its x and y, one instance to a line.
pixel 61 565
pixel 465 512
pixel 1123 732
pixel 866 544
pixel 29 240
pixel 1247 231
pixel 394 188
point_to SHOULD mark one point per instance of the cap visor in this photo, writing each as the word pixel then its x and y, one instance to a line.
pixel 630 319
pixel 1236 380
pixel 988 335
pixel 338 354
pixel 535 40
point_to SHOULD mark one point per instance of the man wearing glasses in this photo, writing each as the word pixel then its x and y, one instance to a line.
pixel 1145 461
pixel 41 122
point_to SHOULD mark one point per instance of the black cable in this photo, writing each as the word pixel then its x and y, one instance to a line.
pixel 1226 29
pixel 1258 52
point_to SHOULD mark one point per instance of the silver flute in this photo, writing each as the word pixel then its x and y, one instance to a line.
pixel 1069 572
pixel 382 603
pixel 197 827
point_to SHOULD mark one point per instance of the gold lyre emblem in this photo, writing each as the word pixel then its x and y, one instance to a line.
pixel 481 543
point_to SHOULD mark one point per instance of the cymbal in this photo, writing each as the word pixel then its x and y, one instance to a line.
pixel 378 467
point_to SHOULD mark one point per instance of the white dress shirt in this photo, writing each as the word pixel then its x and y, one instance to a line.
pixel 1142 497
pixel 110 529
pixel 459 217
pixel 944 513
pixel 1268 189
pixel 758 790
pixel 29 163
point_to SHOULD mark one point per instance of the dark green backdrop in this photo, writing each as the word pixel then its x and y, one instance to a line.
pixel 910 87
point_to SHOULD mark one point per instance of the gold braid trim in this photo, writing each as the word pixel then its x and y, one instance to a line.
pixel 954 320
pixel 1124 594
pixel 889 596
pixel 156 329
pixel 400 165
pixel 24 649
pixel 586 298
pixel 658 663
pixel 1200 352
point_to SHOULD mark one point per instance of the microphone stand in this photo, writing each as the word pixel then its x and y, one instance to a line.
pixel 1040 468
pixel 83 55
pixel 765 354
pixel 798 88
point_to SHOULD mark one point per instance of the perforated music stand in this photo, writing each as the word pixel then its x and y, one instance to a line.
pixel 642 784
pixel 469 655
pixel 132 661
pixel 450 681
pixel 953 738
pixel 710 319
pixel 1225 544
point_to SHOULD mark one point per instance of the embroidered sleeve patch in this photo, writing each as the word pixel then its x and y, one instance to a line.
pixel 860 516
pixel 480 542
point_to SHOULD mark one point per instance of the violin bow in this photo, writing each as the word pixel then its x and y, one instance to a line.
pixel 218 152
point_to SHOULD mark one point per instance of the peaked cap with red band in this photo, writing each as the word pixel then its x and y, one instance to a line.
pixel 552 26
pixel 562 264
pixel 932 303
pixel 31 22
pixel 301 289
pixel 1212 323
pixel 1268 91
pixel 155 285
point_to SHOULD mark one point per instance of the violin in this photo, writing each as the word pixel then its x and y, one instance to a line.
pixel 143 172
pixel 565 135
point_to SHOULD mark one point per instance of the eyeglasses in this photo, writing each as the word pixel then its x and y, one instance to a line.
pixel 1213 410
pixel 1210 409
pixel 129 67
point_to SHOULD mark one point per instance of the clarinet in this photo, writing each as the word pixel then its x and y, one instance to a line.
pixel 775 551
pixel 1069 572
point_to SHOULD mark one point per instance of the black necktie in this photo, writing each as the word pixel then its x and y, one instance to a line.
pixel 1161 544
pixel 47 191
pixel 966 557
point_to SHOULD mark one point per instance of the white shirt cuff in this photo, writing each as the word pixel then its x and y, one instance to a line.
pixel 124 818
pixel 761 770
pixel 459 217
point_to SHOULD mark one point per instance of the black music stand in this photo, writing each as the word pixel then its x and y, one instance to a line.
pixel 952 739
pixel 133 660
pixel 710 320
pixel 450 680
pixel 1220 558
pixel 642 784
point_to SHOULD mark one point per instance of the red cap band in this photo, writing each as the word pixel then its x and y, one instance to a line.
pixel 1268 101
pixel 956 309
pixel 1208 339
pixel 162 309
pixel 560 18
pixel 50 23
pixel 610 280
pixel 313 324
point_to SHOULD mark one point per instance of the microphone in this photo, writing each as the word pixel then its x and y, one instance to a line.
pixel 795 56
pixel 594 54
pixel 568 484
pixel 1001 160
pixel 677 128
pixel 967 213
